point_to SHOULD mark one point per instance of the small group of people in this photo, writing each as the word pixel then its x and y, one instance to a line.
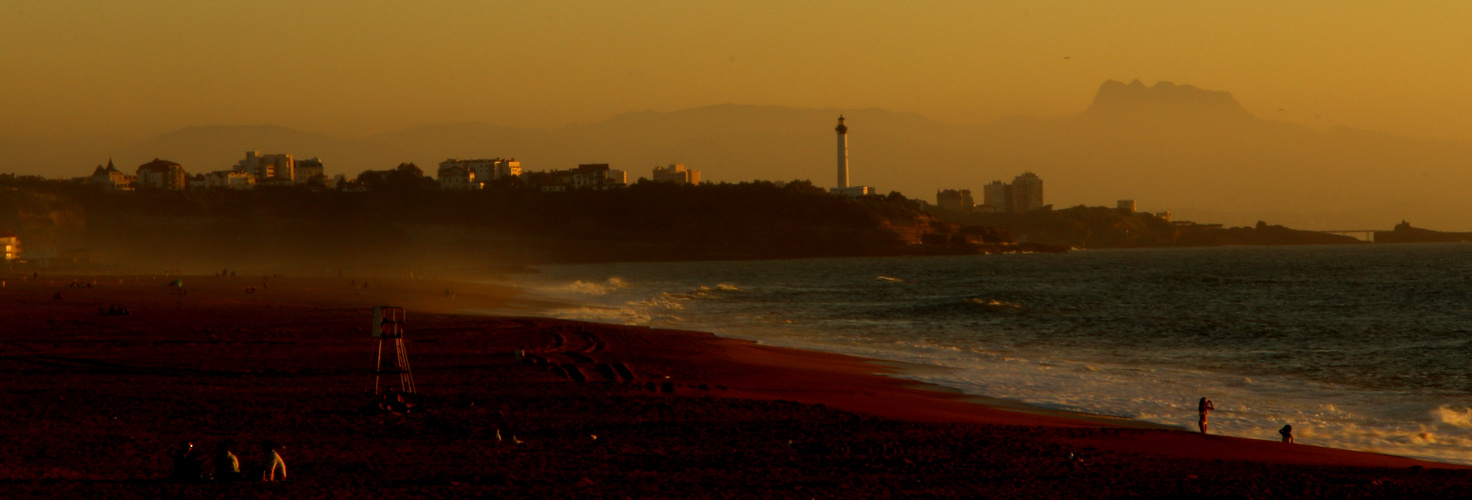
pixel 225 465
pixel 1205 406
pixel 113 310
pixel 226 272
pixel 393 401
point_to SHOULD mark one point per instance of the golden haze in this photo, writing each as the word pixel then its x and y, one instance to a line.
pixel 136 69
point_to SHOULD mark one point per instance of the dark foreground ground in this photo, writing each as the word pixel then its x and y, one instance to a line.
pixel 91 406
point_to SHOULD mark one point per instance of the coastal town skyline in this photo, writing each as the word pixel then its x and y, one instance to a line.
pixel 1311 115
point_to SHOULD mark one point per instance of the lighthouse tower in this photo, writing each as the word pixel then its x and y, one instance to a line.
pixel 843 188
pixel 842 153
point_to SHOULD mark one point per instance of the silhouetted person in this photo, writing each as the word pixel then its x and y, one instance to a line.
pixel 1203 407
pixel 275 468
pixel 188 465
pixel 1287 433
pixel 227 466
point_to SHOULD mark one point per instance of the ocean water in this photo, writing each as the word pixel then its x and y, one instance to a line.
pixel 1359 347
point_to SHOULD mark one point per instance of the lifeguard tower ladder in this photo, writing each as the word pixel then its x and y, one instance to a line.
pixel 388 326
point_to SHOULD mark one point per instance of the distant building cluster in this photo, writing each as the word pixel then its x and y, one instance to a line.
pixel 258 169
pixel 454 174
pixel 458 174
pixel 596 176
pixel 1024 194
pixel 255 169
pixel 676 173
pixel 952 199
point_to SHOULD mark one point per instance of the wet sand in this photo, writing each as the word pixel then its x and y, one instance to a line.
pixel 95 403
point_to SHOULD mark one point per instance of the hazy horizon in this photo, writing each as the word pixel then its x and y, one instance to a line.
pixel 146 68
pixel 98 78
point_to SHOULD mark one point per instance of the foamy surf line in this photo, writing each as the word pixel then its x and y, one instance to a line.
pixel 1247 407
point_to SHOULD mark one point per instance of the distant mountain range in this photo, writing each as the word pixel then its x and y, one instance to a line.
pixel 1194 152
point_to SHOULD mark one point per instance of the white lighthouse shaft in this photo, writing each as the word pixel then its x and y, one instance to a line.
pixel 842 153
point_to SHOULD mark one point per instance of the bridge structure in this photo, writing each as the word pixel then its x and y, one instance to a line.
pixel 1367 235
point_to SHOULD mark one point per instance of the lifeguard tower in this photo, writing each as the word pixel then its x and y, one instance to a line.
pixel 388 327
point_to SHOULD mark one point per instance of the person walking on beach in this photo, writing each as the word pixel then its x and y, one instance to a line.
pixel 1287 433
pixel 1203 407
pixel 275 468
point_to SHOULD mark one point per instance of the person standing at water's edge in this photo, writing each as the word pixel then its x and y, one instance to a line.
pixel 1203 407
pixel 1287 433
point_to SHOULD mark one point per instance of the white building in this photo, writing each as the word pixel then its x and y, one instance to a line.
pixel 110 177
pixel 1023 195
pixel 954 199
pixel 309 169
pixel 598 176
pixel 486 169
pixel 230 179
pixel 1027 193
pixel 279 167
pixel 457 178
pixel 676 173
pixel 161 174
pixel 10 245
pixel 994 196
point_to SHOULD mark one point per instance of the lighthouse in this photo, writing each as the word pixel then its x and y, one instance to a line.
pixel 843 188
pixel 842 153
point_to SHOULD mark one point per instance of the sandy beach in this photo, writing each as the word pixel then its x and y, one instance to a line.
pixel 96 403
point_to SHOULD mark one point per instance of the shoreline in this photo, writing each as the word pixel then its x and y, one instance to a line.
pixel 213 362
pixel 1014 411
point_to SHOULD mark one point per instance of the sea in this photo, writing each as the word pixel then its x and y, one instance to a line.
pixel 1363 347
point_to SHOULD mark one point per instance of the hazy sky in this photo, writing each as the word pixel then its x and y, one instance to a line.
pixel 138 68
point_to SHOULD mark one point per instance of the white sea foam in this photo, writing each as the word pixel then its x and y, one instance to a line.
pixel 580 287
pixel 995 303
pixel 780 309
pixel 1460 418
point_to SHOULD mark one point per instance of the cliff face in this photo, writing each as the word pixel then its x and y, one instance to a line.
pixel 49 225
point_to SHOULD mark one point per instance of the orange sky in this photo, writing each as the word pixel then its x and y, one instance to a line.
pixel 353 68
